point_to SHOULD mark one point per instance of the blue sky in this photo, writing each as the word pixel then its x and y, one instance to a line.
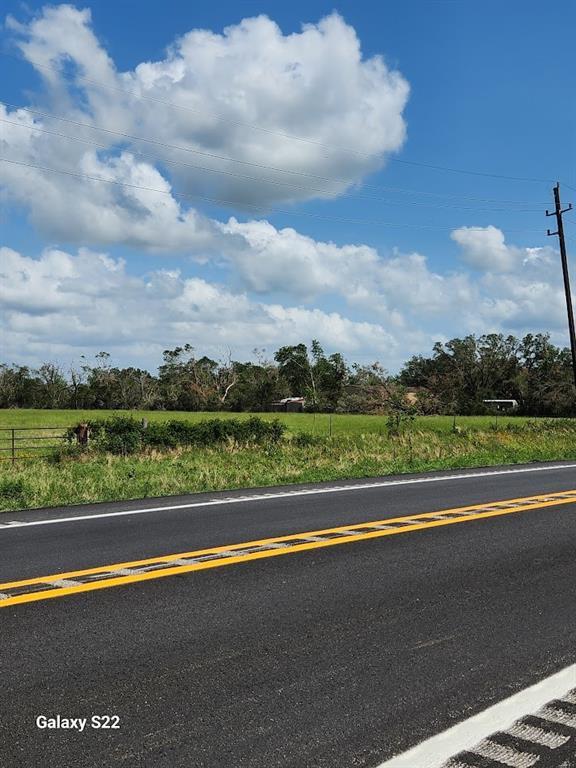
pixel 490 91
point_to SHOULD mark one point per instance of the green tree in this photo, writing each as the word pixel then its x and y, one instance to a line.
pixel 175 379
pixel 295 369
pixel 463 372
pixel 18 387
pixel 258 384
pixel 52 386
pixel 329 375
pixel 545 380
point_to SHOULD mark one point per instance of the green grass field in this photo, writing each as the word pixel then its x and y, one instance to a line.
pixel 342 424
pixel 360 446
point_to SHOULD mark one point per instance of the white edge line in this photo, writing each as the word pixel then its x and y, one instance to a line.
pixel 434 752
pixel 13 524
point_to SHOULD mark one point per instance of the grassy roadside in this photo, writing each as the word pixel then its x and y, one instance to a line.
pixel 105 477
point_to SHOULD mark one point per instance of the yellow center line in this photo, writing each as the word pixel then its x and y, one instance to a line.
pixel 421 521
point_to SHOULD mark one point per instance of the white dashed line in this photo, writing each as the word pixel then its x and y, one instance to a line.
pixel 382 527
pixel 537 735
pixel 554 715
pixel 441 750
pixel 570 698
pixel 182 561
pixel 457 764
pixel 505 755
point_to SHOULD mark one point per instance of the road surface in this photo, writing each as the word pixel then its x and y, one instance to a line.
pixel 311 626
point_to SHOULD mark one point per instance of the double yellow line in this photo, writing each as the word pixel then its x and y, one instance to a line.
pixel 103 577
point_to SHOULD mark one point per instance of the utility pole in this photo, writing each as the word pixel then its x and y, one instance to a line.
pixel 558 211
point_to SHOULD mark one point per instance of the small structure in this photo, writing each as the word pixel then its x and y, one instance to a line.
pixel 502 405
pixel 413 394
pixel 288 405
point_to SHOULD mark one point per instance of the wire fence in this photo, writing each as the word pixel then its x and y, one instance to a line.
pixel 21 443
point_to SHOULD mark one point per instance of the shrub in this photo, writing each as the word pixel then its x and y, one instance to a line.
pixel 210 432
pixel 124 435
pixel 256 430
pixel 119 435
pixel 159 436
pixel 399 420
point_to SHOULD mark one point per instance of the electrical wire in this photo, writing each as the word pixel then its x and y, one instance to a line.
pixel 263 180
pixel 166 145
pixel 242 204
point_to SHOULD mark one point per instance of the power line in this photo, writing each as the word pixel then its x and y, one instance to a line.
pixel 242 204
pixel 263 180
pixel 283 134
pixel 165 145
pixel 470 173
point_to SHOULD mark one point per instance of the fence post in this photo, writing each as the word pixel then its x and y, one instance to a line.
pixel 13 446
pixel 82 434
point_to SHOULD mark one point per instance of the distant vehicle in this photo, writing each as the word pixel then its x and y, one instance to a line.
pixel 502 405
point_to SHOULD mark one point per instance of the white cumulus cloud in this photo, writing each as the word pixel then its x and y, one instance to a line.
pixel 484 248
pixel 314 84
pixel 62 305
pixel 520 288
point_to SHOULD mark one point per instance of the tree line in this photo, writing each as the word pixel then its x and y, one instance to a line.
pixel 455 378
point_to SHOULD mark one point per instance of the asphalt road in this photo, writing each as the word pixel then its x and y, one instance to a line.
pixel 338 656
